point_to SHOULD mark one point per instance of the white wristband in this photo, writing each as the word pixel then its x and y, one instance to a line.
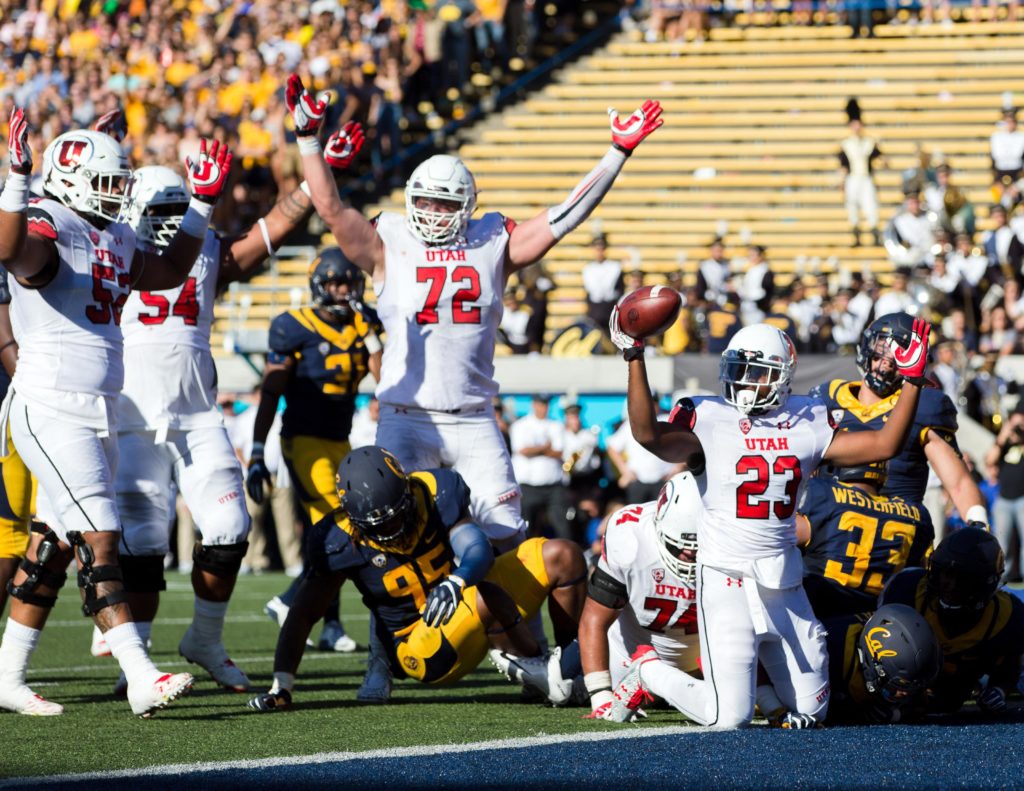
pixel 598 681
pixel 309 144
pixel 977 513
pixel 197 218
pixel 14 198
pixel 282 681
pixel 304 186
pixel 373 344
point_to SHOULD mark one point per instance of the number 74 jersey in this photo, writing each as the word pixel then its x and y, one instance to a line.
pixel 757 466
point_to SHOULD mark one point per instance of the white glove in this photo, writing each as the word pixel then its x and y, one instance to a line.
pixel 622 341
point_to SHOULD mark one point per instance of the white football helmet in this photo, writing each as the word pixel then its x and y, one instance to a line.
pixel 442 177
pixel 675 523
pixel 89 173
pixel 757 368
pixel 159 201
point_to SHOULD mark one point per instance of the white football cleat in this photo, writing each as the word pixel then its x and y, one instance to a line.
pixel 214 660
pixel 148 699
pixel 376 686
pixel 631 693
pixel 542 673
pixel 99 645
pixel 333 638
pixel 276 610
pixel 22 700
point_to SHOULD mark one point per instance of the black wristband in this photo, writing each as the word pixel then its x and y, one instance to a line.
pixel 627 151
pixel 633 353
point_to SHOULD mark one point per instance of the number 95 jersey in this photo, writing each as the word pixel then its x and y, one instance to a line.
pixel 661 610
pixel 756 467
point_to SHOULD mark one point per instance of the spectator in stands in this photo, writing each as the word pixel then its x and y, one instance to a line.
pixel 909 237
pixel 714 273
pixel 1013 303
pixel 947 371
pixel 582 464
pixel 719 324
pixel 897 299
pixel 514 321
pixel 641 473
pixel 537 463
pixel 634 279
pixel 1008 455
pixel 780 316
pixel 917 178
pixel 951 204
pixel 845 326
pixel 536 285
pixel 1002 244
pixel 1006 147
pixel 997 334
pixel 858 16
pixel 859 155
pixel 756 287
pixel 955 328
pixel 968 263
pixel 602 282
pixel 946 282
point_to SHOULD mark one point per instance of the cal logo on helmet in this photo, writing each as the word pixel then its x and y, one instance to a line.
pixel 875 638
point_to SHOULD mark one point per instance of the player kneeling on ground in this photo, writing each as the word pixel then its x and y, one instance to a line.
pixel 397 537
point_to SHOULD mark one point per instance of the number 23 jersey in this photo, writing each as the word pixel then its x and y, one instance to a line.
pixel 440 307
pixel 662 608
pixel 756 468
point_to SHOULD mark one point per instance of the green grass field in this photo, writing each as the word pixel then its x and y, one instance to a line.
pixel 98 732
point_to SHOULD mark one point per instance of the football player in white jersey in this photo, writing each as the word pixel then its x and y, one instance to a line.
pixel 169 427
pixel 72 264
pixel 759 445
pixel 643 592
pixel 439 276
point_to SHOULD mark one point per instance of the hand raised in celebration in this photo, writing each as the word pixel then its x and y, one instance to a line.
pixel 628 133
pixel 208 174
pixel 912 358
pixel 18 149
pixel 307 111
pixel 630 347
pixel 112 124
pixel 343 146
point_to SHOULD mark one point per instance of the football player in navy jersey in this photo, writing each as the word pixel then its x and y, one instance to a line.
pixel 430 577
pixel 868 403
pixel 980 628
pixel 318 356
pixel 854 539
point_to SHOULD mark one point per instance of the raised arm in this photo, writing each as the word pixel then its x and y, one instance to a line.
pixel 207 176
pixel 865 447
pixel 356 236
pixel 531 240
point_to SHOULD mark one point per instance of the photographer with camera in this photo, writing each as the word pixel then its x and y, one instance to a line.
pixel 1008 455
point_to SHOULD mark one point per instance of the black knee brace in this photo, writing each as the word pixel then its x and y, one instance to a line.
pixel 221 560
pixel 143 573
pixel 89 575
pixel 37 572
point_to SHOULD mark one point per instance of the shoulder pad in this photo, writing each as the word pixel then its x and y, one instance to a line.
pixel 684 413
pixel 621 543
pixel 936 410
pixel 283 336
pixel 449 492
pixel 41 223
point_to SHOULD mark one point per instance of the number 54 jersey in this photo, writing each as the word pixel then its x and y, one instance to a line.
pixel 756 468
pixel 661 610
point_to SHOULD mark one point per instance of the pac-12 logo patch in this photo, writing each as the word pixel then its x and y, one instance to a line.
pixel 745 425
pixel 658 574
pixel 380 561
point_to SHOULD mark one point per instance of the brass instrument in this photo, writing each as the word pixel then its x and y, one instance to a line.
pixel 569 463
pixel 953 200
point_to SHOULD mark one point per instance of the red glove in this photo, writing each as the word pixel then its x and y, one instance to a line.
pixel 912 359
pixel 17 143
pixel 628 134
pixel 307 112
pixel 343 146
pixel 112 124
pixel 208 175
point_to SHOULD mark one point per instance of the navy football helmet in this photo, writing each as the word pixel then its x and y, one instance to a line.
pixel 332 266
pixel 375 494
pixel 898 653
pixel 874 474
pixel 964 573
pixel 874 345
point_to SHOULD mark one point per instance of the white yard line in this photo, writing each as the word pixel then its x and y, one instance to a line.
pixel 110 665
pixel 337 757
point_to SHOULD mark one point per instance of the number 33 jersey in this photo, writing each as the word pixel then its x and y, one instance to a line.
pixel 756 468
pixel 440 307
pixel 662 608
pixel 170 377
pixel 69 331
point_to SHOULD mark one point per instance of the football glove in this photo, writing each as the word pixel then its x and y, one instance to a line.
pixel 992 700
pixel 112 124
pixel 208 175
pixel 343 146
pixel 18 149
pixel 630 347
pixel 794 721
pixel 257 476
pixel 629 133
pixel 272 701
pixel 912 359
pixel 602 712
pixel 307 112
pixel 442 601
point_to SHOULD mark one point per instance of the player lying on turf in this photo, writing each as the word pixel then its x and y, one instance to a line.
pixel 397 537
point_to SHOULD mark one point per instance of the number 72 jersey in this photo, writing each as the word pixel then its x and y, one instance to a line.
pixel 756 468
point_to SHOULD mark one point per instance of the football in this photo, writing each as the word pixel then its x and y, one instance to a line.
pixel 650 310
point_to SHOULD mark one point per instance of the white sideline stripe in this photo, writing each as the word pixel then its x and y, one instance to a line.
pixel 338 757
pixel 240 658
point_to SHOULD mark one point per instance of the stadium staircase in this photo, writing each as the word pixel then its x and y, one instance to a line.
pixel 753 122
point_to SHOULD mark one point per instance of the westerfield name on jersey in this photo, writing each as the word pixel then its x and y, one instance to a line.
pixel 888 507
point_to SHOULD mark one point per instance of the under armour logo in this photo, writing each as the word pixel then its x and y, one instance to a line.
pixel 729 582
